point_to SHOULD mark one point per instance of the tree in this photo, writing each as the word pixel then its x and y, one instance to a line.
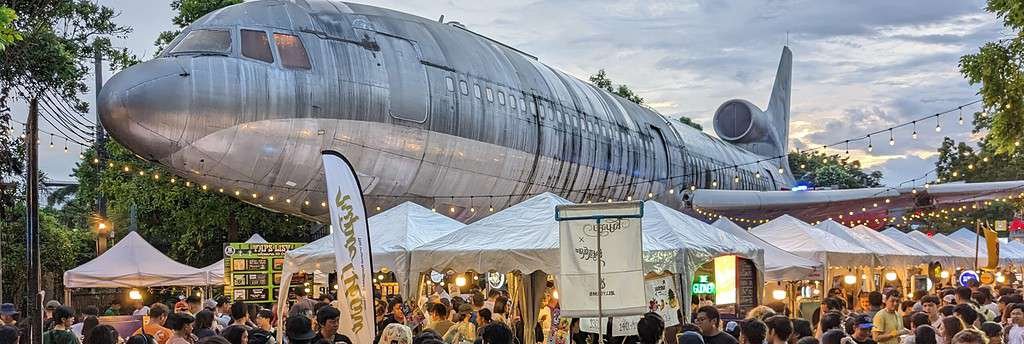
pixel 602 81
pixel 690 122
pixel 189 11
pixel 7 33
pixel 961 162
pixel 837 171
pixel 999 68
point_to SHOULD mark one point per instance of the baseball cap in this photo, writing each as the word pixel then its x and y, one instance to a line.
pixel 52 305
pixel 8 309
pixel 209 304
pixel 863 321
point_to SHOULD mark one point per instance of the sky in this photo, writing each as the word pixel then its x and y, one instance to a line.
pixel 858 66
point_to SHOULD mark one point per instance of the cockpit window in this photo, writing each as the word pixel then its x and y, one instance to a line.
pixel 204 41
pixel 256 45
pixel 291 51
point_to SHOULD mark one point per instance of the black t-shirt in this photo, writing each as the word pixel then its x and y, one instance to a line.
pixel 720 338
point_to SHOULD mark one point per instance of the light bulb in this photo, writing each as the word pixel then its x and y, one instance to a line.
pixel 914 135
pixel 892 142
pixel 938 128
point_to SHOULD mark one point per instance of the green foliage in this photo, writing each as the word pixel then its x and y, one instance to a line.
pixel 61 248
pixel 188 224
pixel 188 12
pixel 690 122
pixel 602 81
pixel 7 33
pixel 999 68
pixel 960 162
pixel 837 172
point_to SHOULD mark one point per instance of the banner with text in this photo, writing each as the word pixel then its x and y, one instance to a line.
pixel 351 248
pixel 620 256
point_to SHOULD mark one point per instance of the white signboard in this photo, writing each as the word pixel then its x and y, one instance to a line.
pixel 592 325
pixel 625 326
pixel 620 257
pixel 663 298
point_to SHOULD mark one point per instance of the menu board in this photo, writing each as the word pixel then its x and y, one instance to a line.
pixel 746 285
pixel 252 271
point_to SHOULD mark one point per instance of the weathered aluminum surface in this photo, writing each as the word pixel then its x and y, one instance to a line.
pixel 398 95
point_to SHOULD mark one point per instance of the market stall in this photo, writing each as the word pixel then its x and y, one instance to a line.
pixel 802 239
pixel 780 265
pixel 133 262
pixel 215 271
pixel 921 242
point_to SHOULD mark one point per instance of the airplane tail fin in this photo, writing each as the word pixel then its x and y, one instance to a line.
pixel 778 104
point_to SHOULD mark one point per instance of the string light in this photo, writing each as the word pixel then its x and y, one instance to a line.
pixel 892 140
pixel 870 146
pixel 914 135
pixel 938 127
pixel 960 119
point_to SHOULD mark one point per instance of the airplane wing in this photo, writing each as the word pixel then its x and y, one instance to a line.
pixel 753 207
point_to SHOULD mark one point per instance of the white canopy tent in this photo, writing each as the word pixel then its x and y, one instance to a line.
pixel 962 258
pixel 967 237
pixel 959 246
pixel 802 239
pixel 844 233
pixel 133 262
pixel 525 238
pixel 936 252
pixel 896 253
pixel 215 271
pixel 393 235
pixel 779 264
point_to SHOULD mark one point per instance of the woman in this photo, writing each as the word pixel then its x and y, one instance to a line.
pixel 87 326
pixel 951 325
pixel 102 334
pixel 181 324
pixel 925 334
pixel 463 331
pixel 236 334
pixel 204 324
pixel 396 334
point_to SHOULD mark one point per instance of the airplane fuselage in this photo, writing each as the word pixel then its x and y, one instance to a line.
pixel 426 111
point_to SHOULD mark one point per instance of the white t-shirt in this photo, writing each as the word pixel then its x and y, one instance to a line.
pixel 1016 335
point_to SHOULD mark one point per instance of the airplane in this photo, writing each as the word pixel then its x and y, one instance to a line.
pixel 246 98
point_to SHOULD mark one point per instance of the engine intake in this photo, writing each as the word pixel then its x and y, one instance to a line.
pixel 739 121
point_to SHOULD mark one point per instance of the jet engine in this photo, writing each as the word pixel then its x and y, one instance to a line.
pixel 739 121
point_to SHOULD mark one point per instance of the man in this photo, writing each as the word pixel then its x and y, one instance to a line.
pixel 864 302
pixel 302 302
pixel 264 331
pixel 327 317
pixel 967 313
pixel 988 310
pixel 157 318
pixel 195 304
pixel 993 331
pixel 780 328
pixel 223 312
pixel 753 332
pixel 830 321
pixel 862 330
pixel 62 317
pixel 649 329
pixel 477 300
pixel 439 322
pixel 708 320
pixel 887 324
pixel 114 308
pixel 240 314
pixel 963 296
pixel 875 304
pixel 917 319
pixel 8 314
pixel 395 315
pixel 832 304
pixel 930 305
pixel 299 330
pixel 970 336
pixel 1004 302
pixel 48 314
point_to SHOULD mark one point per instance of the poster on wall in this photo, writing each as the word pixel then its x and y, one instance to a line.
pixel 620 258
pixel 663 298
pixel 746 285
pixel 253 270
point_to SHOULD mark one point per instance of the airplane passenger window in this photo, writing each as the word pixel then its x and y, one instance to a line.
pixel 476 91
pixel 463 87
pixel 256 45
pixel 292 52
pixel 205 41
pixel 490 96
pixel 501 98
pixel 449 83
pixel 522 104
pixel 512 102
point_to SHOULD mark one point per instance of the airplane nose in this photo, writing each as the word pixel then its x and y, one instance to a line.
pixel 146 107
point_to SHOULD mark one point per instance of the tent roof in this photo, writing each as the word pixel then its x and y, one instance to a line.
pixel 802 239
pixel 922 243
pixel 779 264
pixel 216 270
pixel 896 253
pixel 843 232
pixel 955 251
pixel 667 229
pixel 392 232
pixel 133 262
pixel 967 238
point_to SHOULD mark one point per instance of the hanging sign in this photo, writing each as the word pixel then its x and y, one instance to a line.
pixel 966 276
pixel 252 271
pixel 617 226
pixel 703 285
pixel 662 298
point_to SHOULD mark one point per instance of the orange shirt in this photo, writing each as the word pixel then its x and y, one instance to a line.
pixel 160 333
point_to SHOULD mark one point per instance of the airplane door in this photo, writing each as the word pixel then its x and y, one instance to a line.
pixel 662 163
pixel 408 97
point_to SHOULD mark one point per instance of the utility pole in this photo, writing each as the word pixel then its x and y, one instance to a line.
pixel 101 201
pixel 34 313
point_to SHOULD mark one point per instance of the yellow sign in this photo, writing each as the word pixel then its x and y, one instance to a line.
pixel 987 278
pixel 1000 225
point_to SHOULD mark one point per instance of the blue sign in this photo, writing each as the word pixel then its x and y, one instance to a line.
pixel 966 277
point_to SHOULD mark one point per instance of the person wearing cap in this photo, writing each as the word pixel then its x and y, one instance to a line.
pixel 48 314
pixel 299 330
pixel 463 330
pixel 62 317
pixel 302 302
pixel 8 314
pixel 328 318
pixel 181 324
pixel 888 323
pixel 862 329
